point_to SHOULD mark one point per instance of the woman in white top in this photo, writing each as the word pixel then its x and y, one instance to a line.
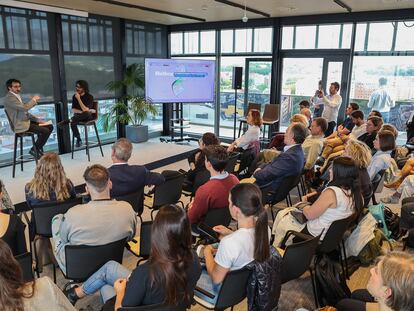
pixel 16 295
pixel 254 121
pixel 341 199
pixel 236 249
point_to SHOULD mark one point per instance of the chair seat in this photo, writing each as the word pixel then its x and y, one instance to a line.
pixel 27 133
pixel 270 122
pixel 204 303
pixel 149 200
pixel 134 247
pixel 91 122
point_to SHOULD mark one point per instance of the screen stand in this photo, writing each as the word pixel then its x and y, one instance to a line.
pixel 177 123
pixel 235 115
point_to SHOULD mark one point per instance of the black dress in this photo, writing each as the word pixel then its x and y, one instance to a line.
pixel 14 236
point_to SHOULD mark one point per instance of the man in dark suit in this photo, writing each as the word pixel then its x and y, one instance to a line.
pixel 20 118
pixel 126 178
pixel 288 163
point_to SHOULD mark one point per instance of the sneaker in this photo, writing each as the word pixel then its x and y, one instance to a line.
pixel 71 294
pixel 320 161
pixel 79 143
pixel 61 124
pixel 392 199
pixel 35 154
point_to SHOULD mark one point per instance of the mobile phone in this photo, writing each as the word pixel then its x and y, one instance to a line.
pixel 208 232
pixel 299 216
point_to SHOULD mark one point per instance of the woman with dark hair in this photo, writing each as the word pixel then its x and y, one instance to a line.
pixel 384 143
pixel 17 295
pixel 82 108
pixel 236 249
pixel 12 230
pixel 341 199
pixel 169 276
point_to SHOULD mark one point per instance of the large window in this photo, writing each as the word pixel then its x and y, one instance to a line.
pixel 193 42
pixel 247 40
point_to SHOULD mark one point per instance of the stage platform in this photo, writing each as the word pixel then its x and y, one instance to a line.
pixel 153 154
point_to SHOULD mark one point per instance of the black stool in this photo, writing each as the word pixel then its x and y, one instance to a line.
pixel 85 127
pixel 20 159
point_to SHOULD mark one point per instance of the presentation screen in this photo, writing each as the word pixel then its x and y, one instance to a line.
pixel 179 80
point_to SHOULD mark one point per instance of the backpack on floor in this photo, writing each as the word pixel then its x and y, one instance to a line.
pixel 392 220
pixel 407 216
pixel 378 212
pixel 330 283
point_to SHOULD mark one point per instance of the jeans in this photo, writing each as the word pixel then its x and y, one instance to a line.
pixel 43 133
pixel 205 282
pixel 104 280
pixel 79 117
pixel 385 116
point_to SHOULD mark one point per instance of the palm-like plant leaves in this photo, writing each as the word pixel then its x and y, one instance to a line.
pixel 132 108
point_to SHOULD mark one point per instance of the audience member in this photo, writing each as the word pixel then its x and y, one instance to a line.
pixel 375 113
pixel 304 109
pixel 332 103
pixel 373 126
pixel 126 178
pixel 236 249
pixel 196 159
pixel 278 140
pixel 169 275
pixel 313 144
pixel 12 230
pixel 360 127
pixel 5 202
pixel 346 127
pixel 317 101
pixel 17 295
pixel 254 121
pixel 381 100
pixel 82 108
pixel 215 192
pixel 384 143
pixel 390 286
pixel 49 182
pixel 101 221
pixel 341 199
pixel 288 163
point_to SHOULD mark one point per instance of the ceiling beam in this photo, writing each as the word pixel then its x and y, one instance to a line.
pixel 237 5
pixel 144 8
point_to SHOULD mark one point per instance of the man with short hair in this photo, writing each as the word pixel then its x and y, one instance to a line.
pixel 381 100
pixel 332 104
pixel 360 127
pixel 290 162
pixel 126 178
pixel 22 120
pixel 99 222
pixel 215 192
pixel 313 144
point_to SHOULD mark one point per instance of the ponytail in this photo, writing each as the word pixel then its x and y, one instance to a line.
pixel 248 198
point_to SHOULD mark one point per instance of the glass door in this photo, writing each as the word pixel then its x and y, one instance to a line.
pixel 258 81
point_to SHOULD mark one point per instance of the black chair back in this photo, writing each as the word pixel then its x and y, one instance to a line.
pixel 145 239
pixel 168 192
pixel 136 199
pixel 218 216
pixel 375 184
pixel 83 260
pixel 25 262
pixel 200 179
pixel 334 235
pixel 43 213
pixel 231 164
pixel 252 106
pixel 271 113
pixel 297 258
pixel 233 289
pixel 287 184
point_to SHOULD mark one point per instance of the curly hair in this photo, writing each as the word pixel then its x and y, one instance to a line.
pixel 299 118
pixel 49 175
pixel 359 152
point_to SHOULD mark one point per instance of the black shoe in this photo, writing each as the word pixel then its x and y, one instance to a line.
pixel 61 124
pixel 320 161
pixel 35 154
pixel 71 294
pixel 78 143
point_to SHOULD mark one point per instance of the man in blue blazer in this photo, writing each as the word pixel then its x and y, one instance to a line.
pixel 290 162
pixel 126 178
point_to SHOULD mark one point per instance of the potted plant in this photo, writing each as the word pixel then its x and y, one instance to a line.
pixel 131 109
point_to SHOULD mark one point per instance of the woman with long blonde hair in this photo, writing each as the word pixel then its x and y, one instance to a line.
pixel 49 182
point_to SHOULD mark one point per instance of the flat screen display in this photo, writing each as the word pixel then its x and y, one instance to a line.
pixel 179 80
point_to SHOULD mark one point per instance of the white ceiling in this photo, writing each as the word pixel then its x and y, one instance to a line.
pixel 212 11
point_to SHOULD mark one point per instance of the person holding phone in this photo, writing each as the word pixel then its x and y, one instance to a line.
pixel 332 103
pixel 82 108
pixel 317 101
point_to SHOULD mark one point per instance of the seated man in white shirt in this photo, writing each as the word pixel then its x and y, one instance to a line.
pixel 99 222
pixel 313 144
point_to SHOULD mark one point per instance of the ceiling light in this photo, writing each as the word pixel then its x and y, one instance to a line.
pixel 245 18
pixel 44 8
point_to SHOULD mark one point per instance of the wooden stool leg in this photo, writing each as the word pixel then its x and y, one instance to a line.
pixel 21 153
pixel 14 155
pixel 97 136
pixel 87 143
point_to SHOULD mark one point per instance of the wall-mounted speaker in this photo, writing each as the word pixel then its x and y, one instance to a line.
pixel 237 78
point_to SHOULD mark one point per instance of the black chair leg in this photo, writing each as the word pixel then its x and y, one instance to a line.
pixel 87 143
pixel 36 258
pixel 97 136
pixel 313 281
pixel 54 273
pixel 34 146
pixel 21 153
pixel 73 145
pixel 14 155
pixel 345 261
